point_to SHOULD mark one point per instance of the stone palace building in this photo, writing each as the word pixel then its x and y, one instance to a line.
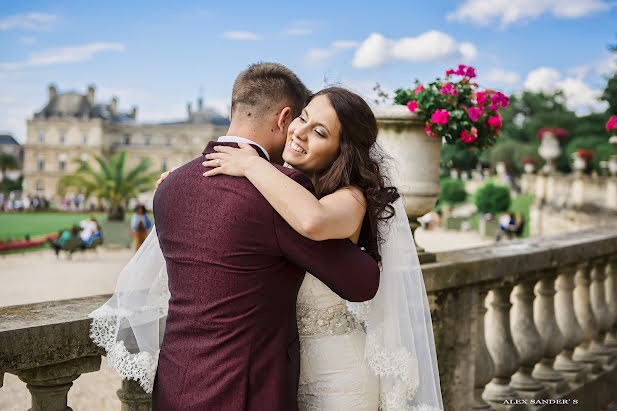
pixel 73 125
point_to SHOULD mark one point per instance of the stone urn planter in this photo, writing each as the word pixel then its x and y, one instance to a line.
pixel 549 150
pixel 416 155
pixel 529 168
pixel 612 165
pixel 579 164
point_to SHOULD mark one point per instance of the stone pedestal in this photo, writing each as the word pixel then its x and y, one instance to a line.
pixel 484 364
pixel 133 397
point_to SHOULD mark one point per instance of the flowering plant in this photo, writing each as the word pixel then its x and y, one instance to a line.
pixel 529 160
pixel 585 154
pixel 611 124
pixel 560 133
pixel 457 110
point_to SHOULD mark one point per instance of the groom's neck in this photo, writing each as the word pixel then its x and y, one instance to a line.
pixel 258 133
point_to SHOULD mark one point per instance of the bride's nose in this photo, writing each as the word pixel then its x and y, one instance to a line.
pixel 300 133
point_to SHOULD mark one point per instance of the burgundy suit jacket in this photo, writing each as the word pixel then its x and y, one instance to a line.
pixel 235 268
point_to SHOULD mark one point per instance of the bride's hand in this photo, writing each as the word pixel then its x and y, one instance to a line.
pixel 229 160
pixel 163 177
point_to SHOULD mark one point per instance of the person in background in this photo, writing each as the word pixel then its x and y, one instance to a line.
pixel 71 234
pixel 140 225
pixel 89 227
pixel 519 226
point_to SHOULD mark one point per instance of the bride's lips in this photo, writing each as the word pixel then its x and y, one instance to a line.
pixel 290 147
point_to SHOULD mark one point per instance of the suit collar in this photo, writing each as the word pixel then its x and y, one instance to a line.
pixel 210 148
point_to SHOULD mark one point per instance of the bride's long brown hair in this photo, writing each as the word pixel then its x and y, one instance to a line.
pixel 359 164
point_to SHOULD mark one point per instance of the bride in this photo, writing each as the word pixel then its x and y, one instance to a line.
pixel 354 356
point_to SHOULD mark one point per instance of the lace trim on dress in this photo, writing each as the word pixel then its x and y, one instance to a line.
pixel 334 320
pixel 140 367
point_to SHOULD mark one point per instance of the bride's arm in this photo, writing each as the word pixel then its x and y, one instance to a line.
pixel 337 215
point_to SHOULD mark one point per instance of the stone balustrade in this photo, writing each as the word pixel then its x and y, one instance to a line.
pixel 530 320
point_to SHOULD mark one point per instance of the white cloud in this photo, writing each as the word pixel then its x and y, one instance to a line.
pixel 580 97
pixel 607 65
pixel 484 13
pixel 378 50
pixel 500 76
pixel 28 40
pixel 240 35
pixel 28 21
pixel 62 55
pixel 320 55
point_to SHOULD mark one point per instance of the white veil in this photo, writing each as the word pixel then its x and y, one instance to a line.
pixel 130 325
pixel 400 346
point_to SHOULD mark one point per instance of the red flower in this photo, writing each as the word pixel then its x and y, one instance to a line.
pixel 412 106
pixel 418 89
pixel 495 121
pixel 468 137
pixel 611 124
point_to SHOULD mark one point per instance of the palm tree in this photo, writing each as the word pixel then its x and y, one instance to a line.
pixel 111 181
pixel 7 162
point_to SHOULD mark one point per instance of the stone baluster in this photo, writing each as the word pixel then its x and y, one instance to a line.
pixel 49 385
pixel 484 363
pixel 569 327
pixel 552 339
pixel 584 315
pixel 611 301
pixel 527 341
pixel 133 397
pixel 600 311
pixel 502 350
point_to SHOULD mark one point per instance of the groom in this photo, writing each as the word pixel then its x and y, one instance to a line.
pixel 235 267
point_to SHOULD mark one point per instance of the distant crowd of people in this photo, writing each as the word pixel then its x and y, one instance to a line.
pixel 11 202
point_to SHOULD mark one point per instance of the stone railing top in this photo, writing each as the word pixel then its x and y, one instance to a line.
pixel 33 335
pixel 516 260
pixel 394 114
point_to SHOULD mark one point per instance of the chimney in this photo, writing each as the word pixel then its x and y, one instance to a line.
pixel 51 91
pixel 134 112
pixel 114 105
pixel 91 90
pixel 188 109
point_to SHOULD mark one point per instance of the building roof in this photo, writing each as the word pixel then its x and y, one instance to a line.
pixel 7 139
pixel 73 104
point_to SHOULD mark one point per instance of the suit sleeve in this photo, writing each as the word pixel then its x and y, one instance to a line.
pixel 340 264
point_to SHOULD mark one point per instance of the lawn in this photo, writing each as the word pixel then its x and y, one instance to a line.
pixel 17 225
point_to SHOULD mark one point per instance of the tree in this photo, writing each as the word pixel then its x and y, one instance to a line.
pixel 452 191
pixel 111 182
pixel 491 198
pixel 610 92
pixel 7 162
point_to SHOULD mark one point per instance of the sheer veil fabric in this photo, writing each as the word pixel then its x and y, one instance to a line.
pixel 400 346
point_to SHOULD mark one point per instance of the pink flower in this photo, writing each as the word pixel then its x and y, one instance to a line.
pixel 611 124
pixel 450 72
pixel 461 70
pixel 440 116
pixel 495 121
pixel 475 113
pixel 428 131
pixel 412 106
pixel 446 89
pixel 499 100
pixel 468 137
pixel 481 97
pixel 418 89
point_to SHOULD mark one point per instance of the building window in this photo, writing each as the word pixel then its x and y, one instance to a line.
pixel 148 140
pixel 164 165
pixel 62 162
pixel 168 141
pixel 84 138
pixel 41 162
pixel 41 136
pixel 62 137
pixel 127 139
pixel 40 187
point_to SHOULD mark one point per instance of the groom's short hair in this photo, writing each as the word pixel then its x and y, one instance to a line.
pixel 264 86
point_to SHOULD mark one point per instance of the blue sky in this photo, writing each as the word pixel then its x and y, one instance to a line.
pixel 158 56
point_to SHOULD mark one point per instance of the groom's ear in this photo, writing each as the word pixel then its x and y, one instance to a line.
pixel 284 119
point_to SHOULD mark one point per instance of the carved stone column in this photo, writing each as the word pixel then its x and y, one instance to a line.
pixel 611 301
pixel 569 327
pixel 133 397
pixel 552 339
pixel 527 341
pixel 502 350
pixel 582 307
pixel 484 363
pixel 49 385
pixel 600 311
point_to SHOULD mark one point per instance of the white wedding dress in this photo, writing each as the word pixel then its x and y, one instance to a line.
pixel 334 374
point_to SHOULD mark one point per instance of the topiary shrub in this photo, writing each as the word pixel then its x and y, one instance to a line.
pixel 491 198
pixel 452 191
